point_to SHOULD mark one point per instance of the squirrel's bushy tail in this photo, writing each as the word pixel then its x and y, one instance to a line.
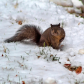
pixel 26 32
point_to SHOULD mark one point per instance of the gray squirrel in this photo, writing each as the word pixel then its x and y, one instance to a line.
pixel 52 36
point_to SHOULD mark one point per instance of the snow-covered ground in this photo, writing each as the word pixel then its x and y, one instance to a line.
pixel 20 61
pixel 72 6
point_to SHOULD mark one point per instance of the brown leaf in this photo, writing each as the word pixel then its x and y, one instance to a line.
pixel 20 22
pixel 68 59
pixel 16 5
pixel 2 55
pixel 67 65
pixel 79 23
pixel 23 82
pixel 72 68
pixel 38 56
pixel 51 55
pixel 22 65
pixel 78 70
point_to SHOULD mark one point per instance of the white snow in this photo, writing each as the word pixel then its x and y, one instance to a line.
pixel 77 3
pixel 50 81
pixel 81 51
pixel 19 61
pixel 63 2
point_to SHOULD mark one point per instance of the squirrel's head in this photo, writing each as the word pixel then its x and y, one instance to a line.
pixel 56 29
pixel 57 34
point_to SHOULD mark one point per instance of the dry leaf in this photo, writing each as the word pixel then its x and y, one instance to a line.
pixel 68 59
pixel 20 22
pixel 16 5
pixel 82 14
pixel 22 65
pixel 23 82
pixel 2 55
pixel 79 23
pixel 39 56
pixel 9 81
pixel 51 55
pixel 67 65
pixel 4 49
pixel 78 70
pixel 72 68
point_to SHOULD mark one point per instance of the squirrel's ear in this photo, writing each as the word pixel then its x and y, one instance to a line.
pixel 58 24
pixel 51 25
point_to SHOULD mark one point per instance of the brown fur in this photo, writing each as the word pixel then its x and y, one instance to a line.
pixel 52 36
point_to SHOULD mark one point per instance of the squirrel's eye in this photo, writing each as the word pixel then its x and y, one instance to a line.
pixel 58 32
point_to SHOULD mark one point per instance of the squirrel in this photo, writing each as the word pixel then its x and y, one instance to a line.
pixel 52 36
